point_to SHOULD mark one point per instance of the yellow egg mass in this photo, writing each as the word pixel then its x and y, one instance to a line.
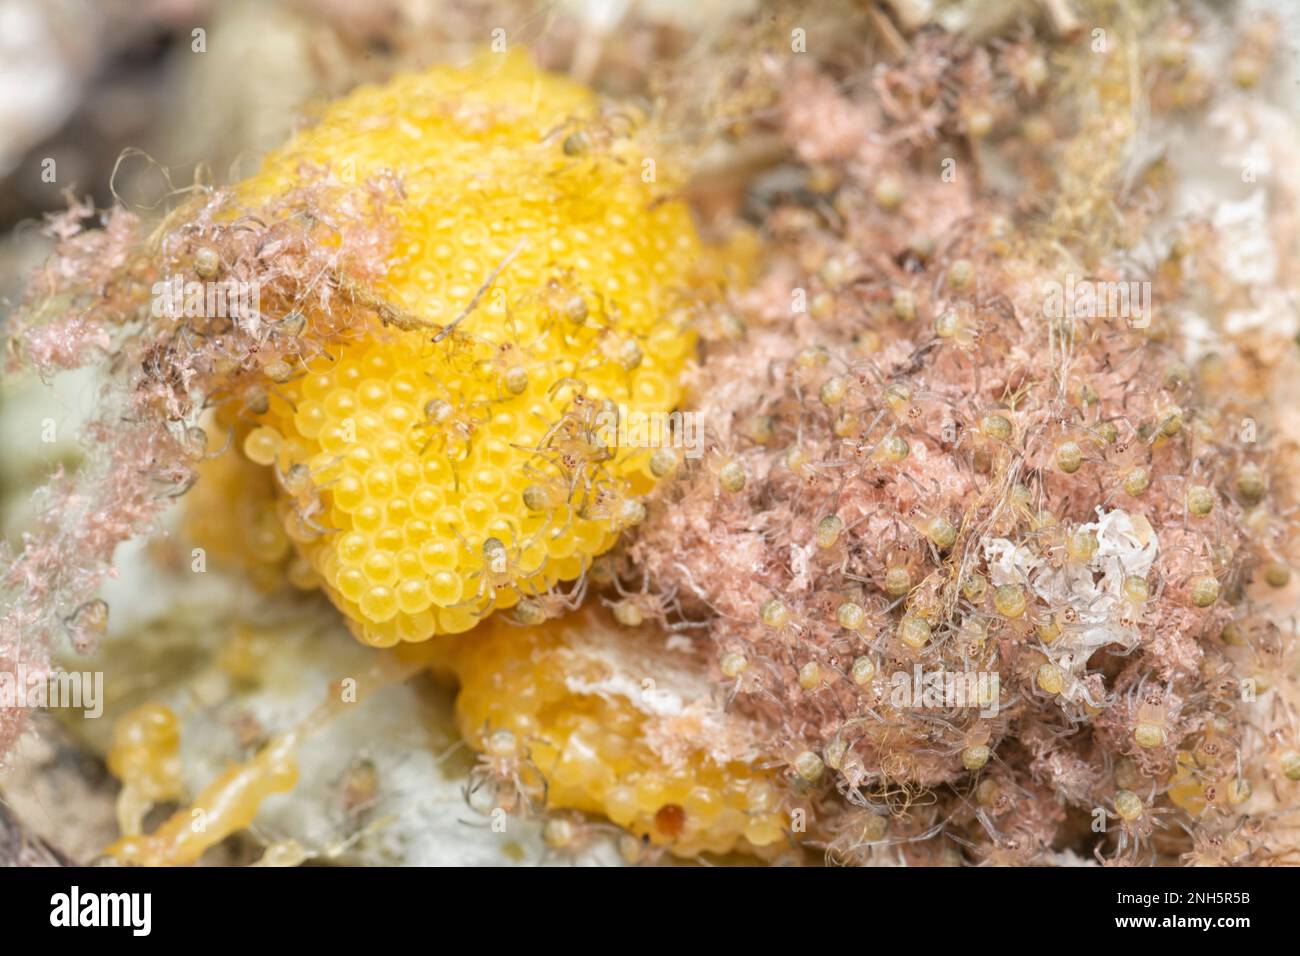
pixel 432 477
pixel 591 712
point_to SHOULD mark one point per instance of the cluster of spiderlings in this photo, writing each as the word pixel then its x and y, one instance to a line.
pixel 944 481
pixel 432 474
pixel 592 722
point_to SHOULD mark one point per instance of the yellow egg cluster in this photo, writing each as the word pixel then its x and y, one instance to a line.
pixel 233 515
pixel 432 478
pixel 583 712
pixel 145 756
